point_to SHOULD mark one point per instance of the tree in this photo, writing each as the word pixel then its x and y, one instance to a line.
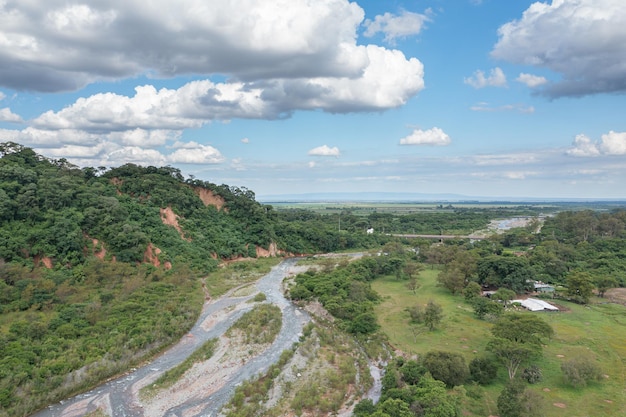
pixel 433 314
pixel 517 401
pixel 517 340
pixel 412 268
pixel 509 401
pixel 395 408
pixel 580 286
pixel 511 272
pixel 447 367
pixel 364 323
pixel 505 295
pixel 513 354
pixel 451 279
pixel 416 314
pixel 483 307
pixel 412 372
pixel 364 408
pixel 433 399
pixel 412 285
pixel 532 374
pixel 483 370
pixel 605 283
pixel 522 328
pixel 472 290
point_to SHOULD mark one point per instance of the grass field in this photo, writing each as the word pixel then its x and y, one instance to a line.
pixel 598 331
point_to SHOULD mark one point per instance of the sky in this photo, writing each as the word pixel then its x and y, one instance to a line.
pixel 493 98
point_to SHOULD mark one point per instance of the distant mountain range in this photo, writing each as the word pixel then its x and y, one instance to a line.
pixel 414 197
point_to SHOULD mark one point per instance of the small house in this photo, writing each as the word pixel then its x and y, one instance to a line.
pixel 542 288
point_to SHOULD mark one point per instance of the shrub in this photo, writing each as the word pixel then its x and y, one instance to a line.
pixel 578 372
pixel 483 370
pixel 532 374
pixel 447 367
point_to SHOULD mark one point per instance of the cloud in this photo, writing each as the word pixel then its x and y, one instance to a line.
pixel 531 80
pixel 195 153
pixel 271 55
pixel 394 27
pixel 485 107
pixel 582 40
pixel 496 78
pixel 518 175
pixel 325 150
pixel 612 143
pixel 389 81
pixel 6 115
pixel 136 155
pixel 67 44
pixel 519 158
pixel 434 136
pixel 78 151
pixel 245 140
pixel 2 96
pixel 64 45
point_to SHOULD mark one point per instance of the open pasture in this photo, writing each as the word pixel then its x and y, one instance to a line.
pixel 597 331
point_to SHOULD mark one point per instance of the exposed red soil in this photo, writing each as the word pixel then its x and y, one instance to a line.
pixel 266 253
pixel 208 198
pixel 151 255
pixel 43 260
pixel 170 218
pixel 101 253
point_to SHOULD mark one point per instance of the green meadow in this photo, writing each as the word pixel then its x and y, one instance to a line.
pixel 597 331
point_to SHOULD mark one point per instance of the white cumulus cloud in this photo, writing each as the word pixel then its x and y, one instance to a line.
pixel 434 137
pixel 582 40
pixel 325 150
pixel 396 26
pixel 496 78
pixel 583 146
pixel 389 81
pixel 531 80
pixel 6 115
pixel 195 153
pixel 612 143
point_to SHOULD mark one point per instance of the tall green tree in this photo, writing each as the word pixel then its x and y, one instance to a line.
pixel 518 339
pixel 580 286
pixel 433 314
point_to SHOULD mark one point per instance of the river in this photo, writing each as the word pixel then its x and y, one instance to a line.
pixel 118 396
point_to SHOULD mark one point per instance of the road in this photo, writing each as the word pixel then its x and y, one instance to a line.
pixel 118 397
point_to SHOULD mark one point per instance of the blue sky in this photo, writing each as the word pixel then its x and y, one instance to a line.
pixel 481 98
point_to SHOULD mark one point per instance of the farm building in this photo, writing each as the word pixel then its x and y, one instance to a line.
pixel 543 288
pixel 534 304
